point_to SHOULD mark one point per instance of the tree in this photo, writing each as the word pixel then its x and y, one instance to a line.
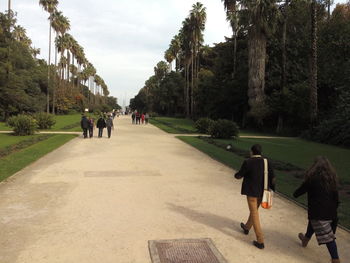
pixel 262 16
pixel 49 6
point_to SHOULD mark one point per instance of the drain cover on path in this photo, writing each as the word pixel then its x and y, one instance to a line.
pixel 185 250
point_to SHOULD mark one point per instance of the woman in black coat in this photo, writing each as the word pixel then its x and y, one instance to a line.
pixel 321 187
pixel 101 124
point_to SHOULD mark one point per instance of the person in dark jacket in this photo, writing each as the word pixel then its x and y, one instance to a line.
pixel 84 123
pixel 252 172
pixel 91 127
pixel 101 124
pixel 133 116
pixel 109 125
pixel 321 186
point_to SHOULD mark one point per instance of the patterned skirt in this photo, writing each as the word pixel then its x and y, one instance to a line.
pixel 323 231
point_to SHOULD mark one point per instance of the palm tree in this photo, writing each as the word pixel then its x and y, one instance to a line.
pixel 198 18
pixel 49 6
pixel 169 57
pixel 313 73
pixel 61 25
pixel 233 18
pixel 262 15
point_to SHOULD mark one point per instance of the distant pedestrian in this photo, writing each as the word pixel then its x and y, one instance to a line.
pixel 133 116
pixel 110 126
pixel 138 117
pixel 146 118
pixel 143 118
pixel 101 124
pixel 91 127
pixel 84 123
pixel 252 172
pixel 321 186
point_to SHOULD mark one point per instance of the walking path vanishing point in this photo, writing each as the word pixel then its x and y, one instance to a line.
pixel 101 200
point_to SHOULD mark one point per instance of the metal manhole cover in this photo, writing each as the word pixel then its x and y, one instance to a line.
pixel 185 251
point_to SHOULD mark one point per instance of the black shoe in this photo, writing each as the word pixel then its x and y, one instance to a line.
pixel 245 231
pixel 258 245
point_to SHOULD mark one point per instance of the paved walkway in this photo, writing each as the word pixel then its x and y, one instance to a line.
pixel 101 200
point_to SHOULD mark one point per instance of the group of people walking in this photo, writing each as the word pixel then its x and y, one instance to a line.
pixel 104 121
pixel 321 186
pixel 139 118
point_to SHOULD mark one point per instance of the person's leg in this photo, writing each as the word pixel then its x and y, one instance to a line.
pixel 109 129
pixel 85 133
pixel 306 238
pixel 254 220
pixel 333 251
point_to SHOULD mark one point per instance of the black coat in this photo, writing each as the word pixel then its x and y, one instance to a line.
pixel 84 123
pixel 322 205
pixel 101 123
pixel 252 172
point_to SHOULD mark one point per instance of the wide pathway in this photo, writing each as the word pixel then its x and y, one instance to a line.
pixel 101 200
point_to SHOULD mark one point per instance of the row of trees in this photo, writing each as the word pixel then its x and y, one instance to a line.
pixel 67 82
pixel 284 68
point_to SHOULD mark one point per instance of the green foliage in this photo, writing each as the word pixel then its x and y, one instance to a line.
pixel 44 120
pixel 223 129
pixel 22 124
pixel 202 125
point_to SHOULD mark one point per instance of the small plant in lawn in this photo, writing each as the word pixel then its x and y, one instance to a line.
pixel 202 125
pixel 44 120
pixel 223 129
pixel 22 124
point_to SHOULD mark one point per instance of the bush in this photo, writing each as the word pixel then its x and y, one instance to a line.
pixel 22 125
pixel 44 120
pixel 223 129
pixel 202 125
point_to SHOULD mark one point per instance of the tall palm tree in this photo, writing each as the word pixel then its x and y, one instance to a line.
pixel 313 73
pixel 49 6
pixel 233 18
pixel 61 25
pixel 262 16
pixel 198 18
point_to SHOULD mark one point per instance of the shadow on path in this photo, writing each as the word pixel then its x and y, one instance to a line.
pixel 277 241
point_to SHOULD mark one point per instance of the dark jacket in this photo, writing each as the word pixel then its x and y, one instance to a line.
pixel 84 123
pixel 252 172
pixel 109 122
pixel 322 205
pixel 101 123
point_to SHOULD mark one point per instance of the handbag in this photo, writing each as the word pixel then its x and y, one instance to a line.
pixel 267 199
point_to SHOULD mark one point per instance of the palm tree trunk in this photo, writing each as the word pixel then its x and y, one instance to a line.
pixel 55 85
pixel 284 65
pixel 256 75
pixel 313 72
pixel 234 53
pixel 48 72
pixel 192 82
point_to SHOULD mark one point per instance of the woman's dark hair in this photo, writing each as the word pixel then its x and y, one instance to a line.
pixel 323 170
pixel 256 149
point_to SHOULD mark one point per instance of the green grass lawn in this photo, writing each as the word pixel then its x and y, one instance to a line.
pixel 16 161
pixel 174 125
pixel 63 123
pixel 9 139
pixel 295 151
pixel 4 127
pixel 67 123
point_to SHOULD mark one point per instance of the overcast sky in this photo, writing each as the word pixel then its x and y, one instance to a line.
pixel 123 39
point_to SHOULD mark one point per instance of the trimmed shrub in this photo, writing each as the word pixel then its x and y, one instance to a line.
pixel 202 125
pixel 22 125
pixel 44 120
pixel 223 129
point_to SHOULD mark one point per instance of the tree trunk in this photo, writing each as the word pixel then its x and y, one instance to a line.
pixel 313 73
pixel 192 82
pixel 54 86
pixel 49 72
pixel 284 64
pixel 256 74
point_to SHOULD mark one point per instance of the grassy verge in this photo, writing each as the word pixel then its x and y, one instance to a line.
pixel 10 143
pixel 67 123
pixel 174 125
pixel 14 162
pixel 4 127
pixel 286 181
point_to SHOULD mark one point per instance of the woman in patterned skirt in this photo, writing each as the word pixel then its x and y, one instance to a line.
pixel 321 186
